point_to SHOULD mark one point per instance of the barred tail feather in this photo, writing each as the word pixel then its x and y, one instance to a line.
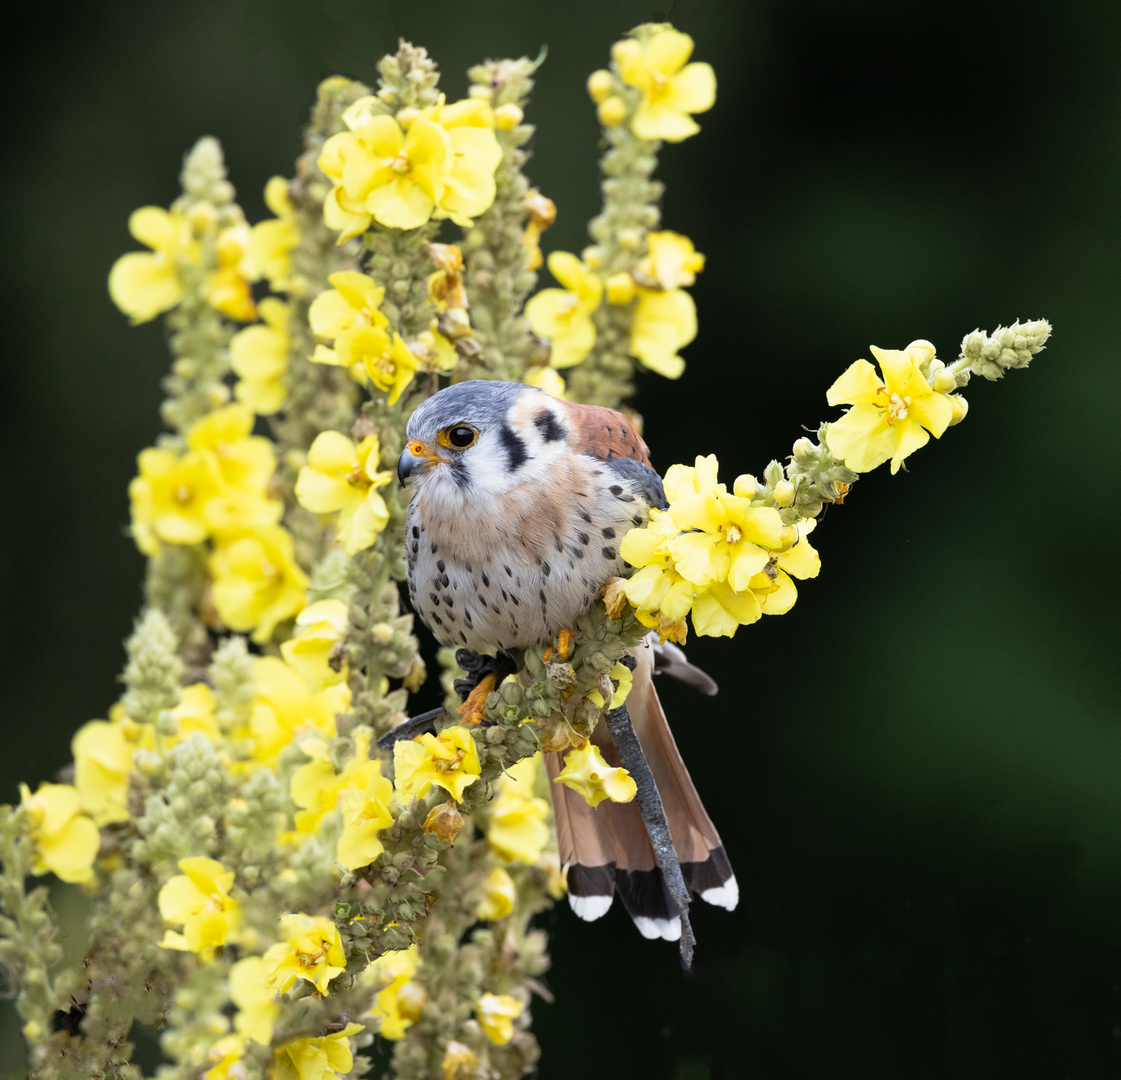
pixel 606 850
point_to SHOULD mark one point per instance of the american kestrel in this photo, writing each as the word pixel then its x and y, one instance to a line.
pixel 519 503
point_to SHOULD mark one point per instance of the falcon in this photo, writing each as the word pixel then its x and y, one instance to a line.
pixel 518 504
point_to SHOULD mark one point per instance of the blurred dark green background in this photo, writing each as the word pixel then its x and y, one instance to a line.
pixel 917 772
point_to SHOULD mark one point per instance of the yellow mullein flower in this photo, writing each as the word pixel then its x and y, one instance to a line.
pixel 257 1007
pixel 199 899
pixel 542 214
pixel 66 841
pixel 102 760
pixel 657 585
pixel 383 173
pixel 663 322
pixel 257 582
pixel 564 316
pixel 195 714
pixel 319 628
pixel 311 950
pixel 670 263
pixel 394 370
pixel 241 465
pixel 228 287
pixel 317 786
pixel 671 88
pixel 623 678
pixel 719 611
pixel 468 179
pixel 259 358
pixel 445 286
pixel 145 284
pixel 723 538
pixel 365 815
pixel 271 242
pixel 226 1054
pixel 340 476
pixel 890 417
pixel 499 896
pixel 547 379
pixel 496 1014
pixel 449 760
pixel 325 1057
pixel 593 779
pixel 798 559
pixel 516 827
pixel 697 479
pixel 395 970
pixel 459 1060
pixel 283 707
pixel 169 499
pixel 349 315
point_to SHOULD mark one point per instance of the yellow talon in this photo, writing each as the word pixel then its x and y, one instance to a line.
pixel 474 709
pixel 564 643
pixel 563 646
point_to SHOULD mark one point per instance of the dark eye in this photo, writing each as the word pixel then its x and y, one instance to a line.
pixel 460 436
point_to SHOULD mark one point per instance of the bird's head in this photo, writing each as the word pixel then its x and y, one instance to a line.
pixel 479 439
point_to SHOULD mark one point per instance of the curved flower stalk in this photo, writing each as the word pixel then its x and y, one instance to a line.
pixel 728 558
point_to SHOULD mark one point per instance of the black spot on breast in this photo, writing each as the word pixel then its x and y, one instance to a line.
pixel 546 423
pixel 637 519
pixel 437 620
pixel 516 455
pixel 582 537
pixel 541 593
pixel 434 598
pixel 615 489
pixel 609 533
pixel 486 582
pixel 578 552
pixel 608 429
pixel 514 600
pixel 468 568
pixel 416 546
pixel 509 572
pixel 434 549
pixel 440 565
pixel 505 595
pixel 626 498
pixel 450 615
pixel 608 552
pixel 448 600
pixel 416 533
pixel 557 542
pixel 545 568
pixel 463 637
pixel 444 580
pixel 586 516
pixel 467 620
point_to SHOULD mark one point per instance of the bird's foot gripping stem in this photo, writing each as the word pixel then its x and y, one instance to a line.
pixel 484 673
pixel 563 647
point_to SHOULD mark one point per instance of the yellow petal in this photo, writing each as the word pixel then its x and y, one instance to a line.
pixel 668 50
pixel 144 285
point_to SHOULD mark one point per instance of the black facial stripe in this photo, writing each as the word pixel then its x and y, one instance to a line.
pixel 461 477
pixel 516 456
pixel 546 423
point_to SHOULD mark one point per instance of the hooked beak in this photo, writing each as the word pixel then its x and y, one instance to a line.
pixel 415 458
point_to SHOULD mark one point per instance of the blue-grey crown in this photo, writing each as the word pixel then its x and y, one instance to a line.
pixel 479 402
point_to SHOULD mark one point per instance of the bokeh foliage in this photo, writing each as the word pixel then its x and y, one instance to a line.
pixel 916 771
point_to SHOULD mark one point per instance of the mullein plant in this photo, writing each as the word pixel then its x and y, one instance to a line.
pixel 270 889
